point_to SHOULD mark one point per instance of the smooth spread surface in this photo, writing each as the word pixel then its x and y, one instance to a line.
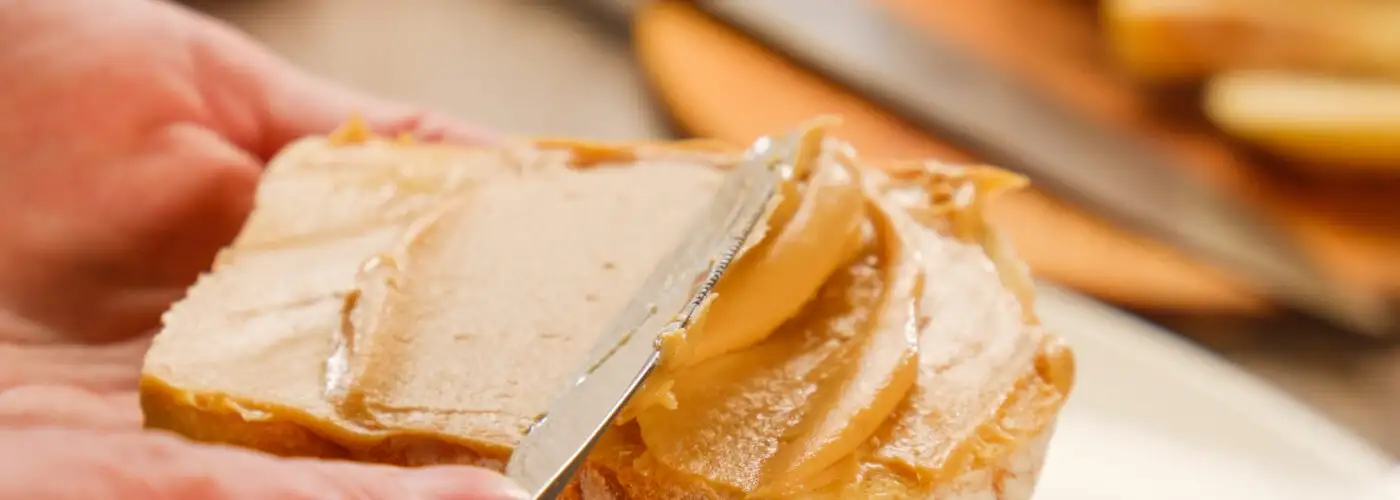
pixel 523 255
pixel 385 290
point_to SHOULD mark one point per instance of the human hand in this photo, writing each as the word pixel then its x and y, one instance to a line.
pixel 132 134
pixel 131 137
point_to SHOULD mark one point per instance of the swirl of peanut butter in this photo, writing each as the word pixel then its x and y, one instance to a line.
pixel 823 382
pixel 811 234
pixel 841 380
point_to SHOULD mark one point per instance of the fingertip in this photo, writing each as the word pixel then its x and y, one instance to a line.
pixel 313 106
pixel 428 126
pixel 461 483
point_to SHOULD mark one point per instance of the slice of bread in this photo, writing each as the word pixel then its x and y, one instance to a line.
pixel 420 304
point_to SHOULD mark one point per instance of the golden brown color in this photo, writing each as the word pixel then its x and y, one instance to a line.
pixel 1177 40
pixel 1323 121
pixel 419 304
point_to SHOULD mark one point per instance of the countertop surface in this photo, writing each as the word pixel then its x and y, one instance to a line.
pixel 539 68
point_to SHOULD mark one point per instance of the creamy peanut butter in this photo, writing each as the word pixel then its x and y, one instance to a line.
pixel 875 337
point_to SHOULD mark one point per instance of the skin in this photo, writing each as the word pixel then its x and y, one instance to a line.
pixel 132 136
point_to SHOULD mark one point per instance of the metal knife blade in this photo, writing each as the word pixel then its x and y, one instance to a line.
pixel 626 353
pixel 1112 175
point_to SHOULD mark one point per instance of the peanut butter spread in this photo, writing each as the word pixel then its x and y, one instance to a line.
pixel 874 337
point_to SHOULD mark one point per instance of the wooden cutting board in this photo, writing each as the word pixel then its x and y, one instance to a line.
pixel 718 83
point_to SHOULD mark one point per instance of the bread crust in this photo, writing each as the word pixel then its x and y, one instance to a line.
pixel 216 419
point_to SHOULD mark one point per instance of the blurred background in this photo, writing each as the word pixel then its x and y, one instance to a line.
pixel 1226 168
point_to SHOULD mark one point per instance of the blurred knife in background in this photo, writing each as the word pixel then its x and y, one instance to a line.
pixel 1115 176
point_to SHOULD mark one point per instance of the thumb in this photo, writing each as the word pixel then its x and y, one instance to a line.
pixel 62 464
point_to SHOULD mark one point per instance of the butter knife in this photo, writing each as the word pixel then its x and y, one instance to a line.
pixel 626 354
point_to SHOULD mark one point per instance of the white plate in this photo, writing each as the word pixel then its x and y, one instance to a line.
pixel 1153 417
